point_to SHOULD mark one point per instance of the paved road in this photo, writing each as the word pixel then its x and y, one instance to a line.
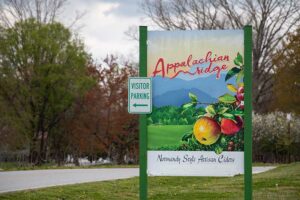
pixel 31 179
pixel 257 170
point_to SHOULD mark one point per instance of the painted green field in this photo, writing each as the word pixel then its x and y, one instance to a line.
pixel 166 135
pixel 282 183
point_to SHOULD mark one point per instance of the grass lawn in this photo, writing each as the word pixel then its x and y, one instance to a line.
pixel 13 166
pixel 280 183
pixel 166 135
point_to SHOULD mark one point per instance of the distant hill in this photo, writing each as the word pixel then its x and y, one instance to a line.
pixel 208 85
pixel 181 96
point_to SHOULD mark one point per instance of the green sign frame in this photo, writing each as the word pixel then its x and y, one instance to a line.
pixel 248 114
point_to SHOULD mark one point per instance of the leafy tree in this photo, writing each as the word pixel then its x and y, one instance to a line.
pixel 272 142
pixel 287 78
pixel 43 70
pixel 100 122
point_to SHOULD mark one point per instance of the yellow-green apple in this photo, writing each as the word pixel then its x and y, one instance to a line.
pixel 207 131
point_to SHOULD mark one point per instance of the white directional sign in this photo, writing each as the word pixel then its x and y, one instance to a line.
pixel 139 95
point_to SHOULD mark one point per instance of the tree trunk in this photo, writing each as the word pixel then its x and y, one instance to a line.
pixel 76 159
pixel 33 155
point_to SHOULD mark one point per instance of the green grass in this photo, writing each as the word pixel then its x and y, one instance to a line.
pixel 166 135
pixel 280 183
pixel 14 166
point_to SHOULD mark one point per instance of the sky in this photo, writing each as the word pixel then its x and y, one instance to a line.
pixel 103 26
pixel 177 46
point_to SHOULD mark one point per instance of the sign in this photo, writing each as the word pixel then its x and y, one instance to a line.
pixel 139 95
pixel 201 119
pixel 197 124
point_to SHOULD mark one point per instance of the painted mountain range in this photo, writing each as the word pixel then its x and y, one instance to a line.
pixel 175 91
pixel 179 97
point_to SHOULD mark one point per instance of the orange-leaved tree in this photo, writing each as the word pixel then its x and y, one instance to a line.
pixel 100 125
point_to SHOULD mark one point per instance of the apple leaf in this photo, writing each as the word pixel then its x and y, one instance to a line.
pixel 201 111
pixel 188 106
pixel 239 57
pixel 211 110
pixel 222 110
pixel 199 116
pixel 228 116
pixel 235 62
pixel 239 76
pixel 232 88
pixel 227 98
pixel 193 140
pixel 186 136
pixel 218 150
pixel 223 140
pixel 238 60
pixel 193 97
pixel 232 72
pixel 237 112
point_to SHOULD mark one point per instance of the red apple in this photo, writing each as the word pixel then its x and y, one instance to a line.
pixel 240 90
pixel 239 104
pixel 229 127
pixel 230 148
pixel 240 121
pixel 240 96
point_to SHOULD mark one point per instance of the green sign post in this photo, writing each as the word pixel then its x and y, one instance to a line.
pixel 248 112
pixel 181 68
pixel 143 118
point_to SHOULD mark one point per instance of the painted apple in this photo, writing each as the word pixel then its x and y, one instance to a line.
pixel 230 146
pixel 240 96
pixel 207 131
pixel 240 121
pixel 239 104
pixel 240 90
pixel 229 127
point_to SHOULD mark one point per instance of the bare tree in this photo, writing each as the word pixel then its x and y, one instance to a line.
pixel 132 33
pixel 271 21
pixel 43 11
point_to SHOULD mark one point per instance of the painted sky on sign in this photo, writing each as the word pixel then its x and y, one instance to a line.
pixel 176 46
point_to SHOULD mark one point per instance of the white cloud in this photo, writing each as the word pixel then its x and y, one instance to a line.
pixel 104 25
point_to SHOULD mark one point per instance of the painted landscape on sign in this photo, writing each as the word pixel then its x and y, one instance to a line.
pixel 198 99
